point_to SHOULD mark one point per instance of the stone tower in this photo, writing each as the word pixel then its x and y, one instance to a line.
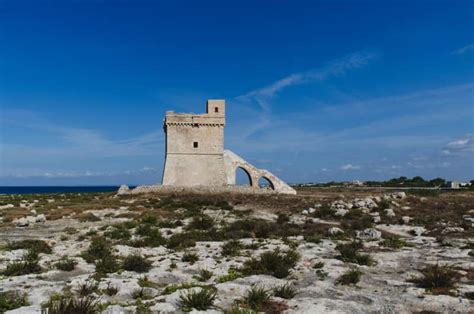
pixel 195 147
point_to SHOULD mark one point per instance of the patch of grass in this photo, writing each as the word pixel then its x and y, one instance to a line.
pixel 283 218
pixel 27 265
pixel 321 274
pixel 351 277
pixel 119 232
pixel 318 265
pixel 256 298
pixel 231 248
pixel 136 263
pixel 111 290
pixel 87 288
pixel 286 291
pixel 325 211
pixel 68 303
pixel 384 204
pixel 437 279
pixel 201 300
pixel 180 241
pixel 107 264
pixel 204 275
pixel 11 300
pixel 315 238
pixel 349 252
pixel 190 257
pixel 274 263
pixel 231 275
pixel 65 264
pixel 394 243
pixel 173 288
pixel 201 222
pixel 141 294
pixel 98 248
pixel 83 217
pixel 38 246
pixel 145 282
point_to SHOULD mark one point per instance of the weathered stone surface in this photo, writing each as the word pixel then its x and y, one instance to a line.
pixel 22 222
pixel 335 231
pixel 369 234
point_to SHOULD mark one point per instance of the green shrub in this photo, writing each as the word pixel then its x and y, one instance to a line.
pixel 119 232
pixel 141 294
pixel 111 290
pixel 98 248
pixel 325 211
pixel 38 246
pixel 286 291
pixel 318 265
pixel 394 243
pixel 145 282
pixel 87 217
pixel 154 238
pixel 180 241
pixel 231 248
pixel 149 219
pixel 201 222
pixel 87 288
pixel 315 238
pixel 282 218
pixel 256 298
pixel 231 275
pixel 190 257
pixel 11 300
pixel 351 277
pixel 349 252
pixel 27 265
pixel 136 263
pixel 437 279
pixel 65 264
pixel 67 303
pixel 204 275
pixel 275 263
pixel 200 300
pixel 107 264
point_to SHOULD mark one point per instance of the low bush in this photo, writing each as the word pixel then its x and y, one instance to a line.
pixel 98 248
pixel 437 279
pixel 11 300
pixel 38 246
pixel 256 298
pixel 107 264
pixel 136 263
pixel 231 248
pixel 204 275
pixel 27 265
pixel 111 290
pixel 180 241
pixel 275 263
pixel 349 252
pixel 87 288
pixel 65 264
pixel 286 291
pixel 68 303
pixel 190 257
pixel 394 243
pixel 351 277
pixel 231 275
pixel 201 222
pixel 325 211
pixel 142 294
pixel 201 300
pixel 154 238
pixel 87 217
pixel 119 232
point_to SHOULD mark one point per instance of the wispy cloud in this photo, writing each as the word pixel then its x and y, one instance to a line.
pixel 350 167
pixel 334 68
pixel 460 145
pixel 464 49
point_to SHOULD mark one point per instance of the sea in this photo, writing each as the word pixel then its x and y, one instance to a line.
pixel 56 189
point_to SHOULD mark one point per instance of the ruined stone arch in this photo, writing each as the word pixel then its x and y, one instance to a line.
pixel 265 178
pixel 246 171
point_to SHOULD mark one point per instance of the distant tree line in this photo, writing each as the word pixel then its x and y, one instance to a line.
pixel 407 182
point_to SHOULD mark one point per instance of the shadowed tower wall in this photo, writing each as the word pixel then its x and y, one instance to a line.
pixel 195 147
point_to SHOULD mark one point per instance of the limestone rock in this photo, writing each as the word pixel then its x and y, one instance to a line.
pixel 369 234
pixel 341 212
pixel 305 212
pixel 405 220
pixel 335 231
pixel 22 222
pixel 7 206
pixel 40 218
pixel 124 189
pixel 311 210
pixel 452 230
pixel 389 212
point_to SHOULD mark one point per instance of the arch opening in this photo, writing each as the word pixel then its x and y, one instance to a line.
pixel 242 177
pixel 265 183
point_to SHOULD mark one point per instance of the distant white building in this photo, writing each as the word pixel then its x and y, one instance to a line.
pixel 453 184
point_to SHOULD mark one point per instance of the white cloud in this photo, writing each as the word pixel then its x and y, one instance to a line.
pixel 464 49
pixel 459 146
pixel 350 167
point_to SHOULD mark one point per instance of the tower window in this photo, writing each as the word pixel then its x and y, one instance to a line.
pixel 216 109
pixel 195 144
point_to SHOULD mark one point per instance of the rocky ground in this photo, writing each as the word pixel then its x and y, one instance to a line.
pixel 321 251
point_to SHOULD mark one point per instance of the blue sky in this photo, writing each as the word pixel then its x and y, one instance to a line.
pixel 315 90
